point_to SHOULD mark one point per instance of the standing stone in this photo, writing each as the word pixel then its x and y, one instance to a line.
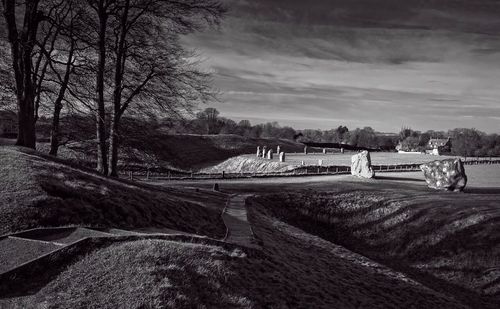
pixel 448 174
pixel 278 149
pixel 264 149
pixel 341 150
pixel 282 157
pixel 305 149
pixel 270 154
pixel 320 162
pixel 324 150
pixel 302 163
pixel 216 187
pixel 361 165
pixel 258 151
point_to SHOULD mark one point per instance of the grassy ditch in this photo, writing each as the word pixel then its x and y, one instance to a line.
pixel 440 239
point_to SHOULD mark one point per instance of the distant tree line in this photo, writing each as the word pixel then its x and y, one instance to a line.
pixel 209 121
pixel 464 141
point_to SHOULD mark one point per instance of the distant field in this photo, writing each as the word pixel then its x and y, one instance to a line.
pixel 483 176
pixel 378 158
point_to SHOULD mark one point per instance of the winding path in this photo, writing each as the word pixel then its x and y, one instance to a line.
pixel 235 218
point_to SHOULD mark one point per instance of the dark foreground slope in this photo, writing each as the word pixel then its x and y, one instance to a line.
pixel 37 191
pixel 293 269
pixel 449 242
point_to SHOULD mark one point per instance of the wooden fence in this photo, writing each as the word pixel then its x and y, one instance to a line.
pixel 310 170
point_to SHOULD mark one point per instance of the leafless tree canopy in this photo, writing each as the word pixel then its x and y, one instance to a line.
pixel 104 57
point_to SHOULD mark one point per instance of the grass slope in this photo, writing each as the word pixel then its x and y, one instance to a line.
pixel 294 270
pixel 37 191
pixel 143 274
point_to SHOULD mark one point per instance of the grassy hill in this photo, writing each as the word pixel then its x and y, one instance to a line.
pixel 248 164
pixel 194 151
pixel 172 152
pixel 294 270
pixel 38 191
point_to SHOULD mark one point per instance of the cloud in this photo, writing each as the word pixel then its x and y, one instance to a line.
pixel 311 64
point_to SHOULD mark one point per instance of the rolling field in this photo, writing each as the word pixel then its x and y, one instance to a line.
pixel 378 158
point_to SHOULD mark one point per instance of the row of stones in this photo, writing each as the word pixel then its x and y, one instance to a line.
pixel 268 154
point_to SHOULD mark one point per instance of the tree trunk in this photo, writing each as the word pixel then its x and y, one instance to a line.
pixel 22 44
pixel 102 163
pixel 27 121
pixel 114 144
pixel 54 134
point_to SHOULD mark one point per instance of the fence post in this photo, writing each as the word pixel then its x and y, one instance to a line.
pixel 223 174
pixel 147 174
pixel 131 177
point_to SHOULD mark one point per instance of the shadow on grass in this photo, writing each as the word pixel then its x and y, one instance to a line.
pixel 398 178
pixel 489 190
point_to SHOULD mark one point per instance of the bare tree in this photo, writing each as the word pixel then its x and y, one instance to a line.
pixel 67 23
pixel 40 36
pixel 103 10
pixel 152 71
pixel 88 54
pixel 22 42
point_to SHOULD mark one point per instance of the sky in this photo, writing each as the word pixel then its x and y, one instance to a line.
pixel 424 64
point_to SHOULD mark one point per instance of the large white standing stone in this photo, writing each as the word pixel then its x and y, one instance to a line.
pixel 361 165
pixel 264 150
pixel 258 151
